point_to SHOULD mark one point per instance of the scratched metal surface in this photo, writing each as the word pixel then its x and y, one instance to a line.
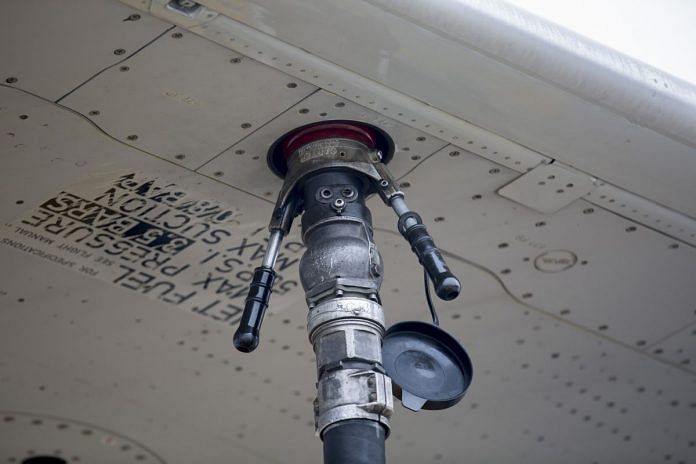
pixel 576 362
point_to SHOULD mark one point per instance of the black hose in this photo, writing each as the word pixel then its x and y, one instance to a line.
pixel 358 441
pixel 428 298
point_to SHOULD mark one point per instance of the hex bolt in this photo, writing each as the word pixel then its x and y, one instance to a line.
pixel 384 183
pixel 338 205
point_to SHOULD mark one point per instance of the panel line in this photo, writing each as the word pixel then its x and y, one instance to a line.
pixel 115 64
pixel 550 314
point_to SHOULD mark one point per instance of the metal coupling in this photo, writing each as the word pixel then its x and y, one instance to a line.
pixel 347 337
pixel 346 394
pixel 345 308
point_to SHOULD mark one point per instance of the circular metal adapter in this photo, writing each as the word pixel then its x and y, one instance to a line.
pixel 428 367
pixel 371 136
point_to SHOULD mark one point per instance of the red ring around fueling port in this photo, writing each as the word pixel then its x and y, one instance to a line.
pixel 330 130
pixel 371 136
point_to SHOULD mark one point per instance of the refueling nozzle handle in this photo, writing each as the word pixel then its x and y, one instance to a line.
pixel 246 338
pixel 411 226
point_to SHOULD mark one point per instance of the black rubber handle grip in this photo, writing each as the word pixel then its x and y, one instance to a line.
pixel 447 286
pixel 246 338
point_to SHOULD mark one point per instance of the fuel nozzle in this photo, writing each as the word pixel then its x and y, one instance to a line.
pixel 345 147
pixel 329 169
